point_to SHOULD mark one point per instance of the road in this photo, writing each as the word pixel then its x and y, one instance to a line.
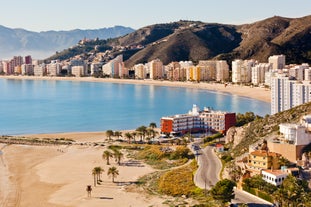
pixel 208 172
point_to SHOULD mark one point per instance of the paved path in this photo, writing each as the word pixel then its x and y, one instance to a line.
pixel 207 174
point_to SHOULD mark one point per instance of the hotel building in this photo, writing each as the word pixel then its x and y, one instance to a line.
pixel 198 121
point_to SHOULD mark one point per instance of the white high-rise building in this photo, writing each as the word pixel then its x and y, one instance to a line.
pixel 286 93
pixel 259 71
pixel 242 71
pixel 281 88
pixel 278 61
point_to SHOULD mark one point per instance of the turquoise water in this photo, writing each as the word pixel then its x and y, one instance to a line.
pixel 50 106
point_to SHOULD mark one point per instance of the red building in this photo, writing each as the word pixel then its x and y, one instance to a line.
pixel 196 121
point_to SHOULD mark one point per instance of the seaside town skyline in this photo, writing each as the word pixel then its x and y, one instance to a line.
pixel 203 157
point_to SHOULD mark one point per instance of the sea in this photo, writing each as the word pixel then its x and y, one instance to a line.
pixel 53 106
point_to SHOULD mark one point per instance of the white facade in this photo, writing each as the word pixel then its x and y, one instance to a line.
pixel 242 71
pixel 259 71
pixel 27 69
pixel 281 94
pixel 274 177
pixel 295 134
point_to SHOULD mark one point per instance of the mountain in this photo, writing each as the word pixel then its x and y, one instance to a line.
pixel 194 40
pixel 44 44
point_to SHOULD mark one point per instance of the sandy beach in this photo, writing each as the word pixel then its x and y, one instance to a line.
pixel 58 175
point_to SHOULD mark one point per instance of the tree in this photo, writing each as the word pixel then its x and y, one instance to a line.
pixel 223 190
pixel 134 135
pixel 142 130
pixel 113 172
pixel 106 155
pixel 96 172
pixel 117 134
pixel 129 136
pixel 118 156
pixel 109 133
pixel 153 125
pixel 291 191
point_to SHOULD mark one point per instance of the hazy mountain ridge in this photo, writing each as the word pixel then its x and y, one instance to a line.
pixel 44 44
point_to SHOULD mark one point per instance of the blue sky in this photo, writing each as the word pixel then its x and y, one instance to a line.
pixel 43 15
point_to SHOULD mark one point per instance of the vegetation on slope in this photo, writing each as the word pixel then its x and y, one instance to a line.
pixel 260 128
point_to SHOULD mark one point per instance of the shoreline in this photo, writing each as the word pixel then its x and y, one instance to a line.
pixel 257 93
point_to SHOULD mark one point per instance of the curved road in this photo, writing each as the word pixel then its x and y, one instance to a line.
pixel 207 174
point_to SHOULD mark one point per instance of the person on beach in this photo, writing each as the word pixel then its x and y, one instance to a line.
pixel 89 190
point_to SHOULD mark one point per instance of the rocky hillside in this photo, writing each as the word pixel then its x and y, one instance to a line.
pixel 188 40
pixel 243 137
pixel 44 44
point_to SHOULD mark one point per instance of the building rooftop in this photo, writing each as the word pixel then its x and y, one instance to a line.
pixel 265 153
pixel 275 172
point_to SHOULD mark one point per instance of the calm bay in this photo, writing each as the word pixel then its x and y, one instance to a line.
pixel 51 106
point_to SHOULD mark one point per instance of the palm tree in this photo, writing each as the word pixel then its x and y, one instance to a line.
pixel 94 173
pixel 134 135
pixel 109 133
pixel 99 171
pixel 106 155
pixel 142 130
pixel 113 171
pixel 118 156
pixel 153 125
pixel 118 134
pixel 128 136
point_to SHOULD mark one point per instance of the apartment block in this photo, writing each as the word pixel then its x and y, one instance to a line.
pixel 263 159
pixel 54 68
pixel 78 71
pixel 39 70
pixel 277 61
pixel 27 69
pixel 140 71
pixel 198 121
pixel 242 71
pixel 222 71
pixel 156 69
pixel 259 71
pixel 112 68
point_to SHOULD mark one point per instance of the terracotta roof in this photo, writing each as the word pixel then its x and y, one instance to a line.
pixel 263 153
pixel 276 172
